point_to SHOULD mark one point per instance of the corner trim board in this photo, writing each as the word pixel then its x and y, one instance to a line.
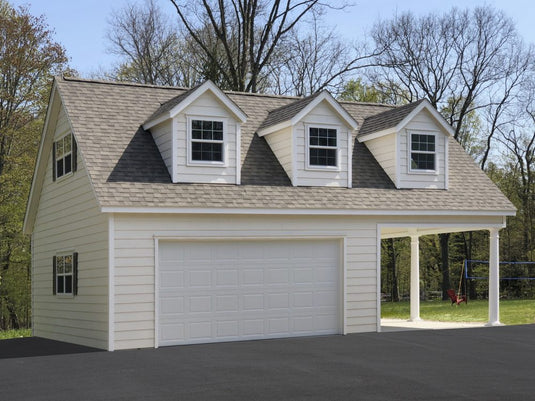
pixel 111 282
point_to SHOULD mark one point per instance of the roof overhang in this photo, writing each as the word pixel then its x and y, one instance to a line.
pixel 425 105
pixel 318 212
pixel 324 96
pixel 207 86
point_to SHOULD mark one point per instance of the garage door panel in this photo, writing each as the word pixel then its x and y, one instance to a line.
pixel 226 277
pixel 250 277
pixel 222 291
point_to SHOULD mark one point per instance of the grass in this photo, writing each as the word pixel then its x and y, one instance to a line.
pixel 6 334
pixel 511 311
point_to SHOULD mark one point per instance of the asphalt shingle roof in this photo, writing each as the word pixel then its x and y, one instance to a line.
pixel 387 119
pixel 287 112
pixel 126 168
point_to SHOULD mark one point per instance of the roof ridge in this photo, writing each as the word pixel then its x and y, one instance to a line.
pixel 391 106
pixel 118 83
pixel 135 84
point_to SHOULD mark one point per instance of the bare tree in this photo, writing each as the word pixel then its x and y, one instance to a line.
pixel 247 34
pixel 308 61
pixel 150 46
pixel 452 59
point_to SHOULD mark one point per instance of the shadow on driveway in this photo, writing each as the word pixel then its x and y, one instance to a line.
pixel 36 346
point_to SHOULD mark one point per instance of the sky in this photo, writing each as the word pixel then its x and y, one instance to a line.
pixel 81 25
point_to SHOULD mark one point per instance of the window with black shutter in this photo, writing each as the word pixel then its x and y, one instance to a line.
pixel 64 157
pixel 65 274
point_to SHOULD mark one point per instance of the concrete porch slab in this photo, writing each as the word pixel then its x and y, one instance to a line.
pixel 390 325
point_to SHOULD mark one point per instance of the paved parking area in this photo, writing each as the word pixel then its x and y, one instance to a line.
pixel 469 364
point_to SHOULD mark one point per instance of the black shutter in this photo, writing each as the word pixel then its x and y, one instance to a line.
pixel 75 273
pixel 74 158
pixel 54 162
pixel 54 275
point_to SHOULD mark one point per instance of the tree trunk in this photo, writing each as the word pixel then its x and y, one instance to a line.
pixel 444 265
pixel 394 287
pixel 13 318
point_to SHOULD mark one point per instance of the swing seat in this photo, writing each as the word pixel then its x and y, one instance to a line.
pixel 455 299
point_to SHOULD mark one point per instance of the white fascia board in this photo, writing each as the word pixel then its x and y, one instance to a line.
pixel 434 113
pixel 164 117
pixel 375 135
pixel 38 173
pixel 313 212
pixel 274 128
pixel 218 93
pixel 326 96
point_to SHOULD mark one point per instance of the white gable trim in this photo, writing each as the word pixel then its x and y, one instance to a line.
pixel 323 96
pixel 448 129
pixel 40 169
pixel 238 114
pixel 311 212
pixel 327 97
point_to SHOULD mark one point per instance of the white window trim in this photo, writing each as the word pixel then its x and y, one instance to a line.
pixel 409 151
pixel 62 177
pixel 65 294
pixel 310 167
pixel 190 161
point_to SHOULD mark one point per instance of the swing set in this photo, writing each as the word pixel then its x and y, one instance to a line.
pixel 457 297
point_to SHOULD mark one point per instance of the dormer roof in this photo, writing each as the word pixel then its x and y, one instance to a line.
pixel 174 106
pixel 126 169
pixel 394 120
pixel 292 113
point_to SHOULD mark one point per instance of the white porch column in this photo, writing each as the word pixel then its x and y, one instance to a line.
pixel 415 278
pixel 494 278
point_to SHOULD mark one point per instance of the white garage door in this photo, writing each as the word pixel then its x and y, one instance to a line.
pixel 240 290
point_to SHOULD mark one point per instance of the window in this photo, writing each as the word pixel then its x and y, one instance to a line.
pixel 64 156
pixel 322 147
pixel 65 269
pixel 422 152
pixel 206 141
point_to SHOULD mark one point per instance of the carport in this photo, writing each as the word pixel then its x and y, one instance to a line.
pixel 415 231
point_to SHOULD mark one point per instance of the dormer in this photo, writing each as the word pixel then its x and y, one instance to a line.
pixel 198 134
pixel 312 139
pixel 411 145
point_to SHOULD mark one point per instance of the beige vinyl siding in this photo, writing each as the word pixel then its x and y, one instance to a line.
pixel 422 123
pixel 206 106
pixel 68 220
pixel 163 137
pixel 135 259
pixel 384 151
pixel 321 115
pixel 280 143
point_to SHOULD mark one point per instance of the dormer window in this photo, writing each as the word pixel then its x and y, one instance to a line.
pixel 422 152
pixel 322 147
pixel 206 141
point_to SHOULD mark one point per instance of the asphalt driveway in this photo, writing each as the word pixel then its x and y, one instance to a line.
pixel 468 364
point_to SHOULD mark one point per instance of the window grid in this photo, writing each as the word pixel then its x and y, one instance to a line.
pixel 423 152
pixel 64 274
pixel 206 141
pixel 64 156
pixel 323 147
